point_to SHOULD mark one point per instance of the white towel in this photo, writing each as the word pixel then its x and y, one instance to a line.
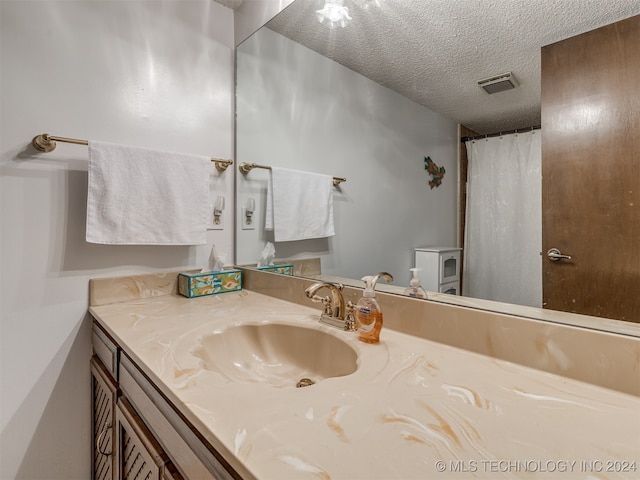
pixel 299 205
pixel 138 196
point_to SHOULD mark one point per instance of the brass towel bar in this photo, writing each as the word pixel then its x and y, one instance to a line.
pixel 47 143
pixel 245 168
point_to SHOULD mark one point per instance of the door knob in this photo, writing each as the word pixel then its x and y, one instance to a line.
pixel 554 255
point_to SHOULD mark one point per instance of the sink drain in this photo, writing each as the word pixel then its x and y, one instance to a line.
pixel 304 382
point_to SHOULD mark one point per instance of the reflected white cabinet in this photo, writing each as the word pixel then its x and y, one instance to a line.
pixel 440 269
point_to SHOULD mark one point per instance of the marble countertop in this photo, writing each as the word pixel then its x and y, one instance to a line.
pixel 413 409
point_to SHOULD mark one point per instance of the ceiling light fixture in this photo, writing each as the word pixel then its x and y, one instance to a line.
pixel 334 13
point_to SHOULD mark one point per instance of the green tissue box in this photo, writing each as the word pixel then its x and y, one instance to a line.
pixel 209 283
pixel 284 269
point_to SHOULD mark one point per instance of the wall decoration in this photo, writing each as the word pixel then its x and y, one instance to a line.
pixel 435 171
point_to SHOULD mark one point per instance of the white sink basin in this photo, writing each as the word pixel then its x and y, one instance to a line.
pixel 275 354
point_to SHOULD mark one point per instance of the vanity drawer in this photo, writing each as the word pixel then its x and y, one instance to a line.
pixel 105 349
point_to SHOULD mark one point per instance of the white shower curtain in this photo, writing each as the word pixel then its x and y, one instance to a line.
pixel 503 232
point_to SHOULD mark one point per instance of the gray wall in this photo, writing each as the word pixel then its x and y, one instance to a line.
pixel 300 110
pixel 154 74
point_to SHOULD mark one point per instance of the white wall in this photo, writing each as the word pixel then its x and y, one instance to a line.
pixel 154 74
pixel 300 110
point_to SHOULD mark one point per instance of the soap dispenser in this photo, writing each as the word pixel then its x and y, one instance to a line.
pixel 368 312
pixel 414 289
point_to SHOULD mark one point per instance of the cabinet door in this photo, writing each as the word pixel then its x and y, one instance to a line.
pixel 104 393
pixel 139 457
pixel 449 267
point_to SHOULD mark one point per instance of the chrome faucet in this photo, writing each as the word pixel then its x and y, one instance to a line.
pixel 334 312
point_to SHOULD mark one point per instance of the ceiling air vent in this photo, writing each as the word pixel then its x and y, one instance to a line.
pixel 499 83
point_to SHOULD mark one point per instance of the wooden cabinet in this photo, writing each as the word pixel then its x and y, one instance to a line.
pixel 123 447
pixel 137 433
pixel 104 392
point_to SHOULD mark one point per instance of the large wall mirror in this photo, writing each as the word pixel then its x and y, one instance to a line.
pixel 370 101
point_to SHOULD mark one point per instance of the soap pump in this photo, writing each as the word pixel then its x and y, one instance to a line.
pixel 368 312
pixel 414 289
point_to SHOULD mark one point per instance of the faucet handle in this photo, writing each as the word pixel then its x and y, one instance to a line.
pixel 350 317
pixel 326 303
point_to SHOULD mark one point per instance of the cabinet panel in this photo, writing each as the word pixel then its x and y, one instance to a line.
pixel 104 393
pixel 139 455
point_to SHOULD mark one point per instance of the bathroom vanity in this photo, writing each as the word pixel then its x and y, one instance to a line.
pixel 206 388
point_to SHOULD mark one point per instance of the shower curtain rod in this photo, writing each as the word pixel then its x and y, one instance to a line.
pixel 499 134
pixel 47 143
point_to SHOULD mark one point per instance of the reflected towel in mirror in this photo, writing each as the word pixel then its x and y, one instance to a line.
pixel 299 205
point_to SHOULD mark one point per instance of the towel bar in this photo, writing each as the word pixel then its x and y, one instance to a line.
pixel 245 168
pixel 47 143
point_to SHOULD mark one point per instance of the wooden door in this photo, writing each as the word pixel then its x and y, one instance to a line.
pixel 591 172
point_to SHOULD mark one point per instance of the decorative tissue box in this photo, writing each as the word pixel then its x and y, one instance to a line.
pixel 210 283
pixel 284 269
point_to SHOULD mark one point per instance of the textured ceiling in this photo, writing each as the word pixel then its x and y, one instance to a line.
pixel 435 51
